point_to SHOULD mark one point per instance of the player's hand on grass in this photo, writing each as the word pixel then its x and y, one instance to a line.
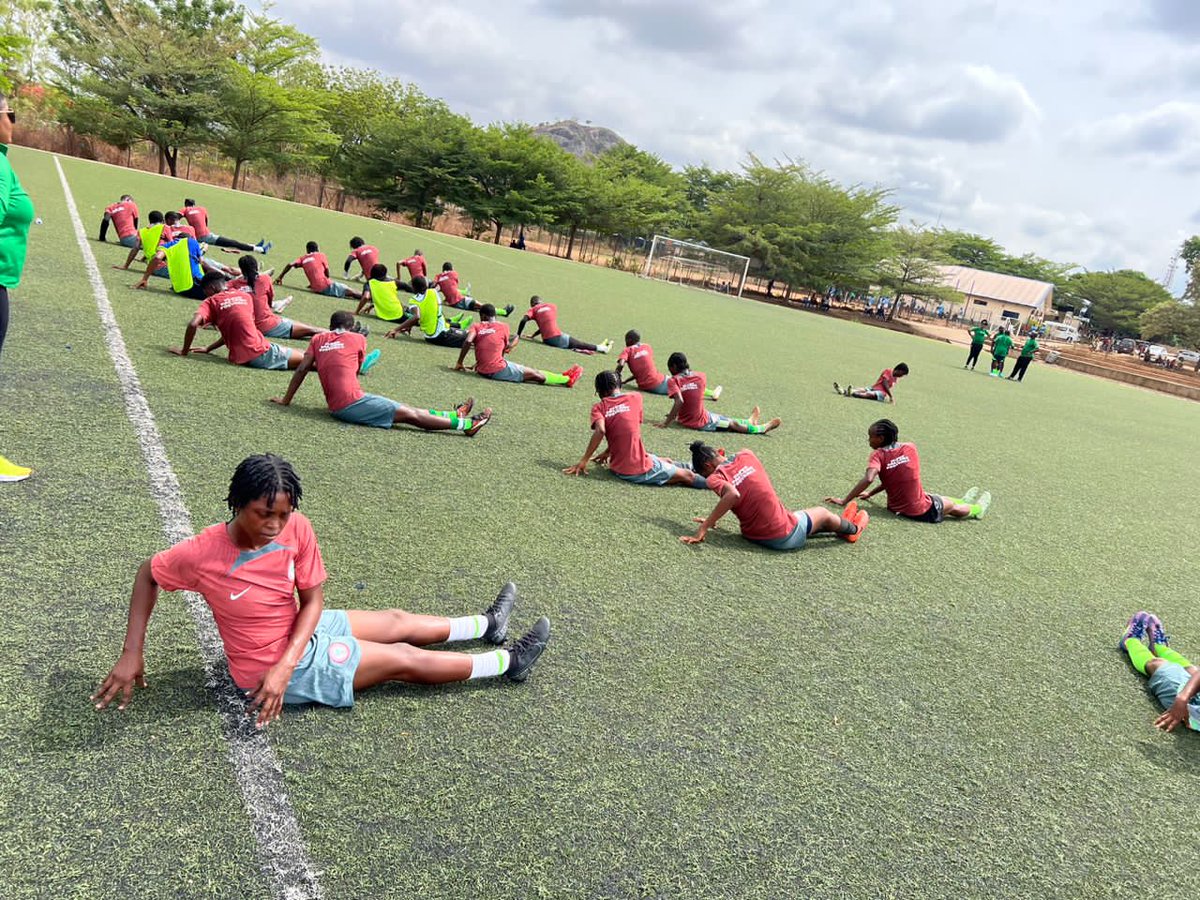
pixel 661 424
pixel 129 670
pixel 836 501
pixel 140 286
pixel 698 537
pixel 1174 715
pixel 267 698
pixel 602 459
pixel 580 468
pixel 281 401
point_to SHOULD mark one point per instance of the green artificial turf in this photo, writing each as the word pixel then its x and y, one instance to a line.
pixel 934 711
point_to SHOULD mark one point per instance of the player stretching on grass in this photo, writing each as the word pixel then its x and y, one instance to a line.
pixel 197 217
pixel 262 575
pixel 266 319
pixel 1174 681
pixel 686 388
pixel 640 358
pixel 898 468
pixel 338 355
pixel 232 311
pixel 447 282
pixel 316 269
pixel 617 418
pixel 546 316
pixel 426 311
pixel 365 255
pixel 123 215
pixel 881 390
pixel 745 489
pixel 492 341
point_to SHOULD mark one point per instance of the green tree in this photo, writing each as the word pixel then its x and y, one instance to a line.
pixel 24 31
pixel 510 177
pixel 1171 322
pixel 912 266
pixel 146 70
pixel 1117 299
pixel 1190 252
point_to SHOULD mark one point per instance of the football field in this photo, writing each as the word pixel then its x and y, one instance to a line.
pixel 935 711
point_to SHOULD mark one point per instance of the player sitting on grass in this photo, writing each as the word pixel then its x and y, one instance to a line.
pixel 384 294
pixel 898 468
pixel 686 388
pixel 881 390
pixel 316 269
pixel 157 265
pixel 339 356
pixel 492 341
pixel 640 358
pixel 426 311
pixel 447 282
pixel 546 316
pixel 617 418
pixel 365 255
pixel 262 575
pixel 266 319
pixel 745 488
pixel 232 311
pixel 123 215
pixel 415 265
pixel 1174 681
pixel 197 217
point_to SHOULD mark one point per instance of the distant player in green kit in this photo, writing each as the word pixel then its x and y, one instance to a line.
pixel 979 336
pixel 1001 344
pixel 1027 350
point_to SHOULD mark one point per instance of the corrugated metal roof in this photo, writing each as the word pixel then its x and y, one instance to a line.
pixel 994 286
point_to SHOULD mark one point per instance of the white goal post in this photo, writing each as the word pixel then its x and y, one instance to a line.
pixel 696 265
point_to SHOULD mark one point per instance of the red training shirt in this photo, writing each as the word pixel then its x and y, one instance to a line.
pixel 252 593
pixel 122 215
pixel 546 316
pixel 689 387
pixel 368 258
pixel 885 383
pixel 197 217
pixel 415 266
pixel 447 283
pixel 316 269
pixel 622 418
pixel 762 515
pixel 491 342
pixel 339 356
pixel 900 473
pixel 640 359
pixel 233 314
pixel 264 293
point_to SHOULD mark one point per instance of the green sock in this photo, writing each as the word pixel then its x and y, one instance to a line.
pixel 457 422
pixel 976 510
pixel 708 394
pixel 1139 654
pixel 1162 651
pixel 555 378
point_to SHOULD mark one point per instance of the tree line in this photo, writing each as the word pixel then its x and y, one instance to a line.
pixel 186 75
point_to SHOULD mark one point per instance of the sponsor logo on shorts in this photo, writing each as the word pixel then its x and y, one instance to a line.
pixel 339 653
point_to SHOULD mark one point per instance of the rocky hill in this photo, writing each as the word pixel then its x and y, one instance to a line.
pixel 584 141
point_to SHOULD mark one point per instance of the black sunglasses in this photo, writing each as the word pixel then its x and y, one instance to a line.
pixel 12 115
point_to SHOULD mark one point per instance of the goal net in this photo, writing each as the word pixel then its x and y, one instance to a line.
pixel 696 265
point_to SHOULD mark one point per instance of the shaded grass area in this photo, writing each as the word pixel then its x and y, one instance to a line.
pixel 934 711
pixel 129 804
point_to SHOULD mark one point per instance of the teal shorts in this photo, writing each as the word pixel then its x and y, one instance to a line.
pixel 325 673
pixel 794 541
pixel 274 357
pixel 660 472
pixel 335 289
pixel 715 423
pixel 369 409
pixel 282 330
pixel 562 342
pixel 1166 683
pixel 510 372
pixel 660 388
pixel 130 240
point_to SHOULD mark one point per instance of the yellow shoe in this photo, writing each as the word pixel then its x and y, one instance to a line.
pixel 12 472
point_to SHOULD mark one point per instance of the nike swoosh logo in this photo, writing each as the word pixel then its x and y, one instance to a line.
pixel 233 596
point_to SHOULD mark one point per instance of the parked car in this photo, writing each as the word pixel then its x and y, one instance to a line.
pixel 1188 357
pixel 1156 352
pixel 1126 345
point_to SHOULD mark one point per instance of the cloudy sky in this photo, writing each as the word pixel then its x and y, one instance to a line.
pixel 1070 129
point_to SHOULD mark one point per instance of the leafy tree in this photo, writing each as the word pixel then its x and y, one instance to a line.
pixel 912 266
pixel 979 252
pixel 1190 251
pixel 510 177
pixel 24 27
pixel 1117 299
pixel 1172 322
pixel 150 70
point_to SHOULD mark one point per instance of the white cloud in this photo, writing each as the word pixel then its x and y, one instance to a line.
pixel 1168 134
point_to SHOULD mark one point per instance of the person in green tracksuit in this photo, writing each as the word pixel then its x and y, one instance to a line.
pixel 979 336
pixel 16 215
pixel 1027 350
pixel 1001 344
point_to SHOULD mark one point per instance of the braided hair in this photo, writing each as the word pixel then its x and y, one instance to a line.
pixel 249 266
pixel 702 455
pixel 887 430
pixel 607 383
pixel 262 477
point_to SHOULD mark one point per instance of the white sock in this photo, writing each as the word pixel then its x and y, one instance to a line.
pixel 490 664
pixel 467 628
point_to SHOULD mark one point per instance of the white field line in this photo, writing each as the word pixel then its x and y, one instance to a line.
pixel 281 848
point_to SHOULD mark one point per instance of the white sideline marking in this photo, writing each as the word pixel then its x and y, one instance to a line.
pixel 282 853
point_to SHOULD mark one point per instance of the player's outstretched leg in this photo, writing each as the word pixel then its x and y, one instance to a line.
pixel 439 420
pixel 576 344
pixel 748 426
pixel 541 376
pixel 849 526
pixel 974 504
